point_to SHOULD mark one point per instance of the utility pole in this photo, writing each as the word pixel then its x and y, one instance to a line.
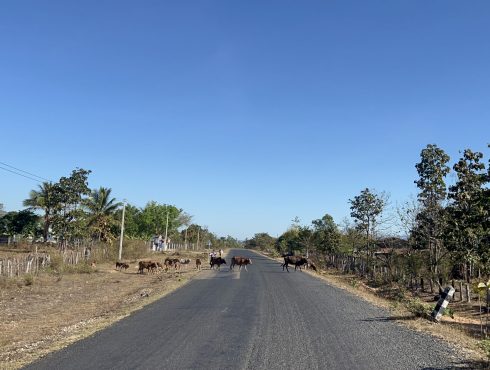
pixel 197 247
pixel 166 229
pixel 185 238
pixel 122 231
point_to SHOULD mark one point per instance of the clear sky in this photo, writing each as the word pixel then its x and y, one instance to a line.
pixel 243 113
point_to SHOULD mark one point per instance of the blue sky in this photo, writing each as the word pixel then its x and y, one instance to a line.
pixel 245 114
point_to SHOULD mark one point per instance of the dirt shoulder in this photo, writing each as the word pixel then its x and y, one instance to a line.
pixel 461 330
pixel 56 310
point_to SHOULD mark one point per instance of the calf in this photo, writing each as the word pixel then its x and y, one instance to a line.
pixel 218 261
pixel 240 261
pixel 198 263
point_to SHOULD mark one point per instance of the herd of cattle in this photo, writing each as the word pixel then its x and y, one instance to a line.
pixel 214 263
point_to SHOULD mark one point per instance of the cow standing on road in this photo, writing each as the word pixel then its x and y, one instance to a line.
pixel 218 261
pixel 297 261
pixel 240 261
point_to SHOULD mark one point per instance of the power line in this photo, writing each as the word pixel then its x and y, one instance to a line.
pixel 19 174
pixel 29 173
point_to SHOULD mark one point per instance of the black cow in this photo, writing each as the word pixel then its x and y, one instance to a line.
pixel 297 261
pixel 218 261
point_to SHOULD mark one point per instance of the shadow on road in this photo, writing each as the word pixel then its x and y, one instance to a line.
pixel 391 318
pixel 463 365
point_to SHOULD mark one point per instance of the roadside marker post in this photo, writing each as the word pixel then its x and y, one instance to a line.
pixel 446 296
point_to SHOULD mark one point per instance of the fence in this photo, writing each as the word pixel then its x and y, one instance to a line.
pixel 19 265
pixel 379 269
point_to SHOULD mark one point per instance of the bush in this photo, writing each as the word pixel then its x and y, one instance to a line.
pixel 419 308
pixel 82 268
pixel 485 346
pixel 56 263
pixel 28 279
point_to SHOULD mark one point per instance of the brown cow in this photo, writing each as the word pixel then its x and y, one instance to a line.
pixel 240 261
pixel 169 262
pixel 198 263
pixel 142 265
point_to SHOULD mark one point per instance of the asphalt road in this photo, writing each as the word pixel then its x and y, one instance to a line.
pixel 261 319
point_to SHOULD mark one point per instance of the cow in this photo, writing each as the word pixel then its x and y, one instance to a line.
pixel 297 261
pixel 142 265
pixel 121 265
pixel 184 261
pixel 172 262
pixel 218 261
pixel 240 261
pixel 152 267
pixel 198 263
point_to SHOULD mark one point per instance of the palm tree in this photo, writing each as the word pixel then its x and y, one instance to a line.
pixel 43 199
pixel 101 209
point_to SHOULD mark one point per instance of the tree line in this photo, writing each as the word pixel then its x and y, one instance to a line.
pixel 447 231
pixel 72 213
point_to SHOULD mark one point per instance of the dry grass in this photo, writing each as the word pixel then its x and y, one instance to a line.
pixel 53 310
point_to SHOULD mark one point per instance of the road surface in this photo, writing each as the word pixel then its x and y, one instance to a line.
pixel 261 319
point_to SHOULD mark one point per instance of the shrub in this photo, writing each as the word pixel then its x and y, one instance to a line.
pixel 485 346
pixel 419 308
pixel 28 279
pixel 81 268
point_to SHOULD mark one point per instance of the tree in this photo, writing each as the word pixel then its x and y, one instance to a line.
pixel 467 211
pixel 153 220
pixel 68 219
pixel 289 241
pixel 196 234
pixel 101 210
pixel 43 199
pixel 432 169
pixel 305 238
pixel 350 237
pixel 132 217
pixel 366 209
pixel 23 223
pixel 326 234
pixel 262 241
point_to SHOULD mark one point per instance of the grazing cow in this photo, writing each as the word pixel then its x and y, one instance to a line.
pixel 198 263
pixel 185 261
pixel 240 261
pixel 297 261
pixel 152 267
pixel 142 265
pixel 172 262
pixel 218 261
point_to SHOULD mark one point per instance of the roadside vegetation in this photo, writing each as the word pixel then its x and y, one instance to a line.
pixel 409 252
